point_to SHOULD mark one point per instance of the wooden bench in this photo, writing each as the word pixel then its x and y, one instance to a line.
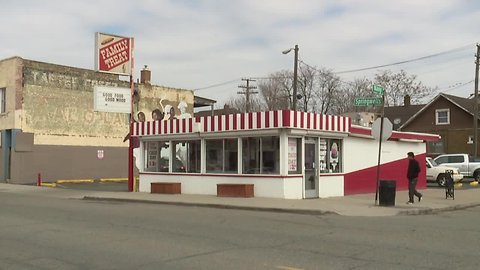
pixel 235 190
pixel 166 188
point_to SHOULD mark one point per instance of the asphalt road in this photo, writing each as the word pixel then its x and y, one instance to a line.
pixel 42 232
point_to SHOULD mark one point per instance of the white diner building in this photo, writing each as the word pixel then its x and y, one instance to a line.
pixel 284 154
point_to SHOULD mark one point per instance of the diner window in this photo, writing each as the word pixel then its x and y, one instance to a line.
pixel 222 156
pixel 294 155
pixel 442 116
pixel 261 155
pixel 330 156
pixel 187 156
pixel 164 159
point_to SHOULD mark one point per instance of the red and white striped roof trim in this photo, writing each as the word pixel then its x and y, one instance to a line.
pixel 245 121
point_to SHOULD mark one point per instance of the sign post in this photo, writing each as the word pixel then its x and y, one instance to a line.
pixel 114 54
pixel 379 90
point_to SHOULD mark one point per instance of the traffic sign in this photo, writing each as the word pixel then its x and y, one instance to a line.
pixel 378 89
pixel 386 131
pixel 375 101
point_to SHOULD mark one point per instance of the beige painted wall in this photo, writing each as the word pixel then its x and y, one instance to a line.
pixel 11 80
pixel 58 105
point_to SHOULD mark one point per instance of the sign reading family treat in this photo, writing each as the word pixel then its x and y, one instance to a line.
pixel 113 54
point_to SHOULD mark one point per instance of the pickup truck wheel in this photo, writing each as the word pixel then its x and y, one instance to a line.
pixel 476 176
pixel 441 179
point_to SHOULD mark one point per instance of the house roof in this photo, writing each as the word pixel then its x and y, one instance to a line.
pixel 465 104
pixel 401 114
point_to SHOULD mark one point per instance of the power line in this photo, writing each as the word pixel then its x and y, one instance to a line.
pixel 216 85
pixel 406 61
pixel 347 71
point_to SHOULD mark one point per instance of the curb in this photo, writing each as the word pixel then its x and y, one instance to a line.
pixel 113 179
pixel 75 181
pixel 220 206
pixel 432 211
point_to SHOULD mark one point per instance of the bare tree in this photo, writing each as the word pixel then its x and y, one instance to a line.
pixel 326 92
pixel 397 85
pixel 240 103
pixel 306 85
pixel 275 91
pixel 349 91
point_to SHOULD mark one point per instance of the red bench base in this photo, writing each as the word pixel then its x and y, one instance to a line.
pixel 166 188
pixel 235 190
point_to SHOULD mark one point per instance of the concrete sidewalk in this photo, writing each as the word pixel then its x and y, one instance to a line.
pixel 355 205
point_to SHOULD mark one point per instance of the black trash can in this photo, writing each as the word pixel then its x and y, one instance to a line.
pixel 387 190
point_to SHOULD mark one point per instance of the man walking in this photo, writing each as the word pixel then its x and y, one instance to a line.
pixel 412 175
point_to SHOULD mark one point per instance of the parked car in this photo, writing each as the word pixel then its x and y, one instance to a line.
pixel 466 164
pixel 437 173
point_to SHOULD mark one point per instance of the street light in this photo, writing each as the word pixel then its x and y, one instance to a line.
pixel 295 66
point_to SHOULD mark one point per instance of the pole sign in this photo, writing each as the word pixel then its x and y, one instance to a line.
pixel 368 101
pixel 113 54
pixel 378 89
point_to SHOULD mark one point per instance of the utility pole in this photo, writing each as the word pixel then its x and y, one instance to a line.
pixel 475 104
pixel 295 67
pixel 247 92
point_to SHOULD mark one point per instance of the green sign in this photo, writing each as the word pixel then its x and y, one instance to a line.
pixel 375 101
pixel 378 89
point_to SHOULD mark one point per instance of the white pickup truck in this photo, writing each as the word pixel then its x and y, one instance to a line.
pixel 466 164
pixel 437 173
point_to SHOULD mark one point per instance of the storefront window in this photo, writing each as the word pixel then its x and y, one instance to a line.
pixel 164 160
pixel 294 155
pixel 231 155
pixel 261 155
pixel 187 156
pixel 331 156
pixel 214 151
pixel 222 156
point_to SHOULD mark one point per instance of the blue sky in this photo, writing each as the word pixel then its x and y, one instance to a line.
pixel 195 44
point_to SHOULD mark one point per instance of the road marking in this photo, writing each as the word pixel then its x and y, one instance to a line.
pixel 287 267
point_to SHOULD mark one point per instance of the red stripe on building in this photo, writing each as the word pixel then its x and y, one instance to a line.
pixel 235 120
pixel 259 119
pixel 250 120
pixel 242 121
pixel 143 127
pixel 205 124
pixel 227 122
pixel 267 119
pixel 220 126
pixel 148 128
pixel 165 127
pixel 315 117
pixel 285 119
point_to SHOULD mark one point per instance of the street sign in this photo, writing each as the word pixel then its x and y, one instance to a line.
pixel 386 131
pixel 375 101
pixel 378 89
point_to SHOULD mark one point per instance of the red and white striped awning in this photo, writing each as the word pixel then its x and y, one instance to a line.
pixel 245 121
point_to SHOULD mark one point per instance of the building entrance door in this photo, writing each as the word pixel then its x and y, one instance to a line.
pixel 311 168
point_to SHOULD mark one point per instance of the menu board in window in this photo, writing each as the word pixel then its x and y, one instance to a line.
pixel 152 156
pixel 292 154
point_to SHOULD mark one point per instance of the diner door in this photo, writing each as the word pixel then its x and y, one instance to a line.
pixel 311 168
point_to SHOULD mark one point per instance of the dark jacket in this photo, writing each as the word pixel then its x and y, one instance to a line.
pixel 413 169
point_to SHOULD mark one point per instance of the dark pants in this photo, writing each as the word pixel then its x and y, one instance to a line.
pixel 412 189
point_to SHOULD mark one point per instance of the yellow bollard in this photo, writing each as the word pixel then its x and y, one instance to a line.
pixel 474 183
